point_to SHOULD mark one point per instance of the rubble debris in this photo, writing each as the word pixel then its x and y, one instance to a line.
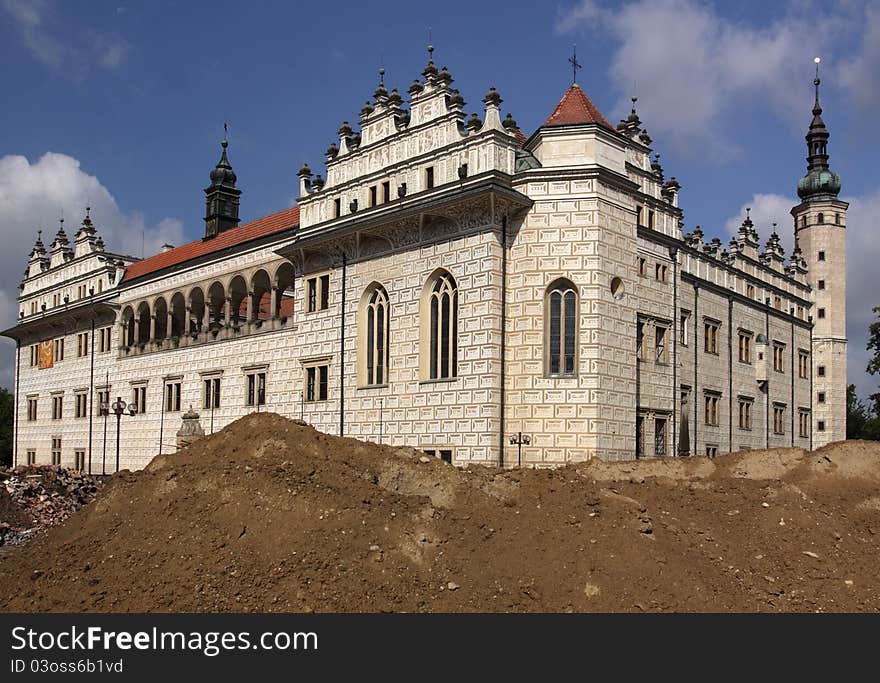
pixel 34 498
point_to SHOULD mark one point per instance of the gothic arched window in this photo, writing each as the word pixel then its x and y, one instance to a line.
pixel 374 335
pixel 560 325
pixel 440 327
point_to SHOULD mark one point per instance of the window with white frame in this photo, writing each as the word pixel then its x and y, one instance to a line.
pixel 374 336
pixel 561 304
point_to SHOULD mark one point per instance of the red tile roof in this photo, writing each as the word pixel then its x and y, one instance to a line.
pixel 575 107
pixel 261 227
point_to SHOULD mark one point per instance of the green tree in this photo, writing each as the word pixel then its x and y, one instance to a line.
pixel 874 345
pixel 7 410
pixel 856 414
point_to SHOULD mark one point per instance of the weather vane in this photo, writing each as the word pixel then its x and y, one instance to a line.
pixel 575 65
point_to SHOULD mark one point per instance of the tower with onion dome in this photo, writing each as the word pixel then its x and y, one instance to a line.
pixel 820 234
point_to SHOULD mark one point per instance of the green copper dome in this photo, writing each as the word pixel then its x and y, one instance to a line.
pixel 818 181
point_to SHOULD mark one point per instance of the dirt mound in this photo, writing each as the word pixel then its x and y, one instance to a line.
pixel 270 515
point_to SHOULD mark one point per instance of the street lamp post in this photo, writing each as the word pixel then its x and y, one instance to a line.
pixel 519 440
pixel 119 407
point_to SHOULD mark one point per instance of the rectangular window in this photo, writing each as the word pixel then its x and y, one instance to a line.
pixel 745 347
pixel 35 355
pixel 82 344
pixel 750 291
pixel 373 194
pixel 660 436
pixel 316 383
pixel 820 397
pixel 661 350
pixel 711 451
pixel 445 454
pixel 640 341
pixel 821 313
pixel 821 370
pixel 256 389
pixel 139 399
pixel 104 339
pixel 317 293
pixel 325 291
pixel 386 192
pixel 81 408
pixel 778 419
pixel 429 177
pixel 639 216
pixel 660 271
pixel 643 266
pixel 745 412
pixel 803 364
pixel 778 357
pixel 804 424
pixel 337 207
pixel 56 450
pixel 31 409
pixel 651 219
pixel 712 402
pixel 31 457
pixel 79 460
pixel 172 397
pixel 777 302
pixel 59 349
pixel 710 336
pixel 820 425
pixel 211 393
pixel 821 284
pixel 102 401
pixel 683 328
pixel 821 255
pixel 57 407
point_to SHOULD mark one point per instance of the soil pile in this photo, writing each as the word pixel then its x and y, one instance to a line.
pixel 34 498
pixel 270 515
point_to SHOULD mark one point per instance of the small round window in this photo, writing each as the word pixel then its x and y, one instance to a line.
pixel 616 287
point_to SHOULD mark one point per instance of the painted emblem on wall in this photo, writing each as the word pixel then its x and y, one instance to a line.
pixel 46 358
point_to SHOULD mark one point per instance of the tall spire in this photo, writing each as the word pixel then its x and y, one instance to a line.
pixel 820 180
pixel 221 196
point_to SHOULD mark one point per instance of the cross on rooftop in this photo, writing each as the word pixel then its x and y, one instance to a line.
pixel 575 65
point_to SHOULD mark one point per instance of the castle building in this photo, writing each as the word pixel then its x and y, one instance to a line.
pixel 457 286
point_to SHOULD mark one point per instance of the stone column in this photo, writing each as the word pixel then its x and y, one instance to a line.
pixel 274 304
pixel 153 327
pixel 227 311
pixel 137 330
pixel 250 306
pixel 206 317
pixel 169 325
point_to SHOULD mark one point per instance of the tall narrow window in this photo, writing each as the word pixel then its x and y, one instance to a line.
pixel 561 328
pixel 386 192
pixel 440 329
pixel 429 177
pixel 374 321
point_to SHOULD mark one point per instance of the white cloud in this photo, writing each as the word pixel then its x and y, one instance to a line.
pixel 691 66
pixel 861 74
pixel 55 44
pixel 34 195
pixel 862 253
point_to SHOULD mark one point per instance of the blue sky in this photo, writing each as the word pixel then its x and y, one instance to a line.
pixel 122 105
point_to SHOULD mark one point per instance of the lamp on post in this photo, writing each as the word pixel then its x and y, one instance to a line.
pixel 119 407
pixel 519 440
